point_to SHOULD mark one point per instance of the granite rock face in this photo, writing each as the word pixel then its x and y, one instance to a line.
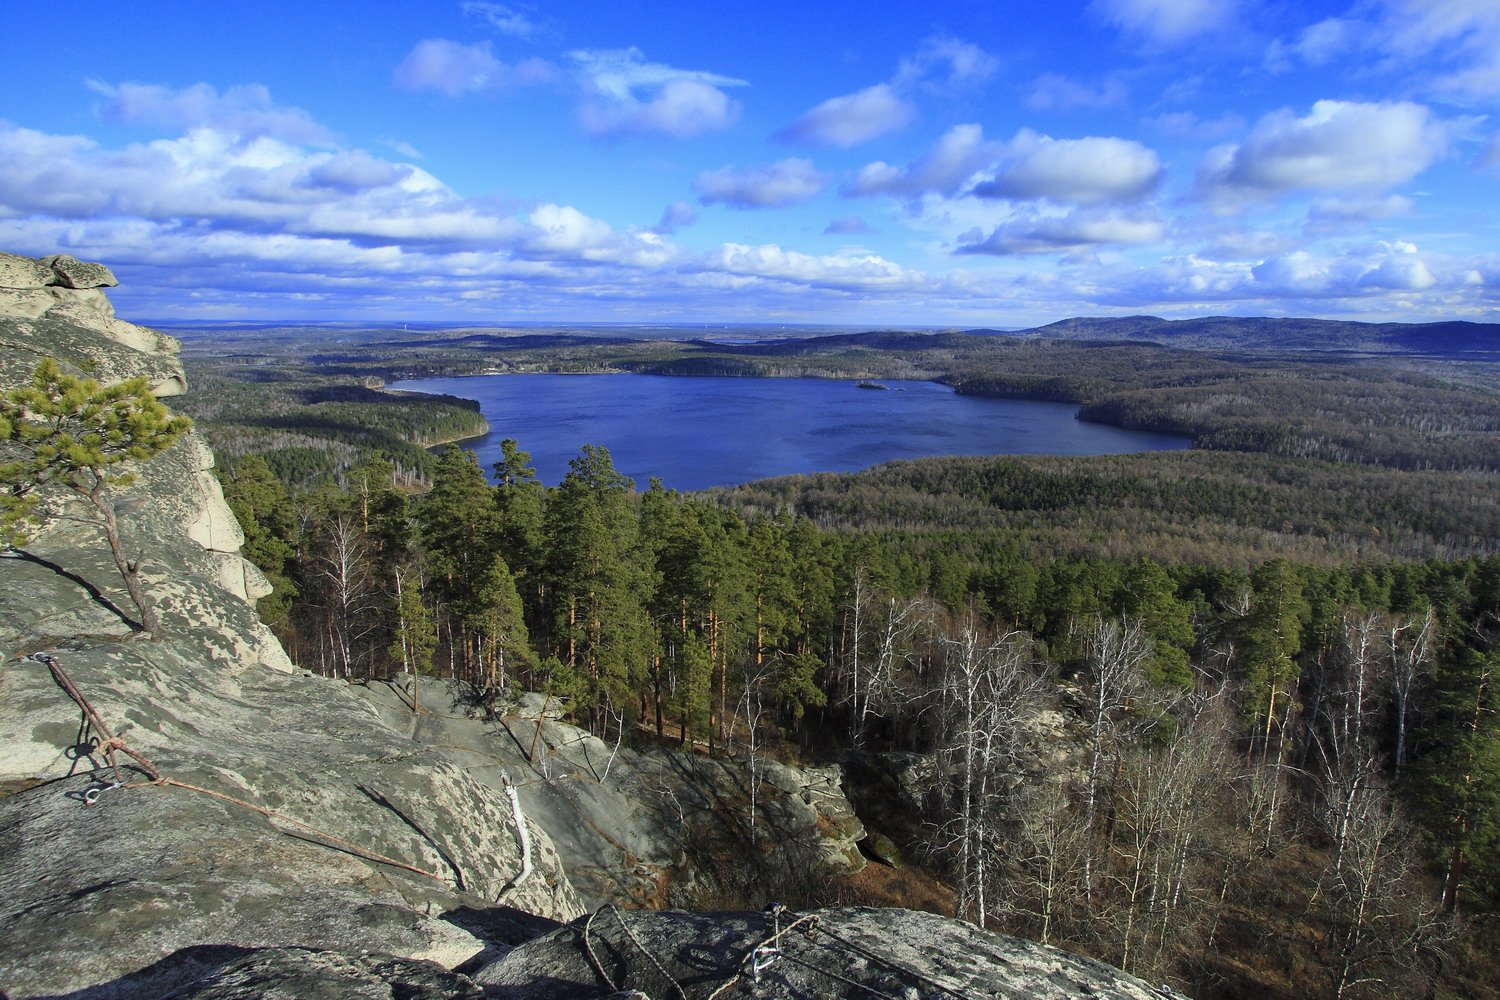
pixel 650 827
pixel 122 895
pixel 852 953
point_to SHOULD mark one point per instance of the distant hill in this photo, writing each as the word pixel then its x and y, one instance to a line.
pixel 1479 341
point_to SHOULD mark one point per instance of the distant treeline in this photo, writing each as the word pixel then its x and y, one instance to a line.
pixel 307 426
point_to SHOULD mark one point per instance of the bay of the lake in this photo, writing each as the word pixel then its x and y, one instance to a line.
pixel 693 433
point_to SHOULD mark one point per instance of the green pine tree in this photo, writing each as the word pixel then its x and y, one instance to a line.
pixel 70 434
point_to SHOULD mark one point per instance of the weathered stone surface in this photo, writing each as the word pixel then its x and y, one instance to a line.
pixel 841 953
pixel 74 273
pixel 23 272
pixel 101 897
pixel 302 974
pixel 653 826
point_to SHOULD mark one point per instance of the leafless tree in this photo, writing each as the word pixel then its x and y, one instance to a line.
pixel 1373 923
pixel 1116 650
pixel 1167 791
pixel 883 635
pixel 1411 642
pixel 343 567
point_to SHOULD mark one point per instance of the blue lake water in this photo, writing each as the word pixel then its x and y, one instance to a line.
pixel 694 433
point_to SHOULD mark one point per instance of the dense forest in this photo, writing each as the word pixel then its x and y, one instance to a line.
pixel 1226 717
pixel 1228 724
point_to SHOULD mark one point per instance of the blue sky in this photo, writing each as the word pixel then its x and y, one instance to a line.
pixel 955 163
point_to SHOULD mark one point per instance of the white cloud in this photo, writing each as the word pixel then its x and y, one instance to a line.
pixel 960 152
pixel 1055 92
pixel 507 20
pixel 1395 267
pixel 1033 232
pixel 1167 22
pixel 625 95
pixel 244 110
pixel 785 183
pixel 674 217
pixel 853 118
pixel 1332 216
pixel 453 69
pixel 1078 171
pixel 862 272
pixel 403 147
pixel 1449 47
pixel 944 63
pixel 1339 145
pixel 1461 36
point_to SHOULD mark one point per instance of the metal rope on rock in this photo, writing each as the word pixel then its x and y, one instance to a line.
pixel 155 779
pixel 892 964
pixel 762 954
pixel 588 948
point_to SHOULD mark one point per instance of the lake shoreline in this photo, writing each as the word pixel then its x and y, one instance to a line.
pixel 721 430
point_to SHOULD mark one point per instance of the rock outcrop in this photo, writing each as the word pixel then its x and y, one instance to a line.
pixel 652 827
pixel 853 953
pixel 91 893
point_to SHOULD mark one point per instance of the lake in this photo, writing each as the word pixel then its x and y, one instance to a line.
pixel 693 433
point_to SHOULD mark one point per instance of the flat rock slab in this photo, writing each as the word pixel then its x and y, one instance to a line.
pixel 853 953
pixel 302 974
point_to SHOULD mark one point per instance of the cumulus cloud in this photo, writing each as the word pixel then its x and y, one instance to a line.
pixel 852 118
pixel 1055 92
pixel 861 272
pixel 273 229
pixel 955 158
pixel 1450 47
pixel 1033 232
pixel 1166 22
pixel 209 181
pixel 244 110
pixel 1339 145
pixel 1395 267
pixel 626 95
pixel 1078 171
pixel 517 22
pixel 674 217
pixel 942 65
pixel 453 69
pixel 1318 44
pixel 791 181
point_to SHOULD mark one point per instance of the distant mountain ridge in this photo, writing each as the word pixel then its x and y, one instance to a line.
pixel 1453 339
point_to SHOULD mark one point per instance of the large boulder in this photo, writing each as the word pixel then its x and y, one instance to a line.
pixel 70 272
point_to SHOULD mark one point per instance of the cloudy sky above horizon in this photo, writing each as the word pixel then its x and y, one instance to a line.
pixel 976 162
